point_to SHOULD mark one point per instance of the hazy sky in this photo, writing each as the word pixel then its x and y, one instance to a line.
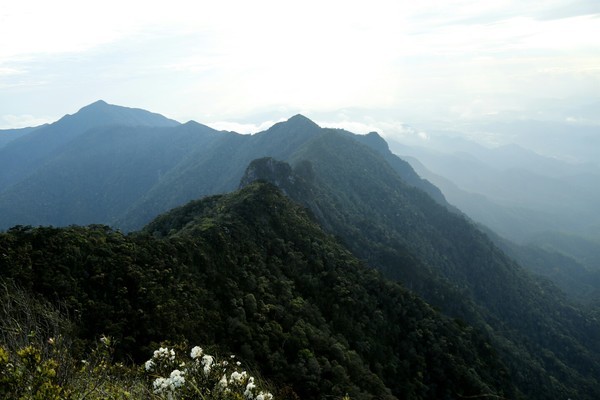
pixel 351 63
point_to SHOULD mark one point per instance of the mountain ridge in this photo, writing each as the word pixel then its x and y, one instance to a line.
pixel 474 272
pixel 251 273
pixel 372 202
pixel 28 163
pixel 23 156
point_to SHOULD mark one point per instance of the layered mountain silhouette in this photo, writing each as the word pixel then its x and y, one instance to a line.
pixel 8 135
pixel 514 191
pixel 25 155
pixel 369 200
pixel 123 166
pixel 546 206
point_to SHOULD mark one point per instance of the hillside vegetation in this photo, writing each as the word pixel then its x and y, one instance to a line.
pixel 252 274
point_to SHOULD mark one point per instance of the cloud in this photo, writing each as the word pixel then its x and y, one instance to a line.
pixel 10 121
pixel 232 59
pixel 6 71
pixel 244 128
pixel 567 9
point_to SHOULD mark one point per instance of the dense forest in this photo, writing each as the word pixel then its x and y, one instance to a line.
pixel 546 340
pixel 251 274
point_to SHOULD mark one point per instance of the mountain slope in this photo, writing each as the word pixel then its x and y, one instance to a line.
pixel 25 155
pixel 580 283
pixel 544 194
pixel 549 241
pixel 120 166
pixel 250 272
pixel 389 224
pixel 217 168
pixel 8 135
pixel 99 174
pixel 520 223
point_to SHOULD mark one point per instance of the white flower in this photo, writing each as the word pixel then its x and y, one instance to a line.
pixel 207 362
pixel 149 365
pixel 160 385
pixel 249 387
pixel 223 382
pixel 196 352
pixel 237 378
pixel 177 379
pixel 264 396
pixel 168 385
pixel 165 353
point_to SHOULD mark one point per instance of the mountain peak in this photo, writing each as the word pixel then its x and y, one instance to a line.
pixel 300 119
pixel 97 105
pixel 298 126
pixel 102 113
pixel 375 140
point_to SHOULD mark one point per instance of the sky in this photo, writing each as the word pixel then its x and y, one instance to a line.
pixel 398 67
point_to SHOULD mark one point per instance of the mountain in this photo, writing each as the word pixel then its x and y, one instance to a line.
pixel 542 194
pixel 570 140
pixel 546 206
pixel 444 258
pixel 31 151
pixel 371 201
pixel 217 168
pixel 576 279
pixel 251 273
pixel 119 166
pixel 8 135
pixel 520 223
pixel 99 174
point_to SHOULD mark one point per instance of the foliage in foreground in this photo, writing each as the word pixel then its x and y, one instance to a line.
pixel 28 373
pixel 38 360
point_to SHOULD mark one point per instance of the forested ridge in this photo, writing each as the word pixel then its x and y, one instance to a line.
pixel 252 274
pixel 550 345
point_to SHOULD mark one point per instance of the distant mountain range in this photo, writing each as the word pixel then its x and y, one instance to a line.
pixel 525 194
pixel 545 205
pixel 112 165
pixel 122 166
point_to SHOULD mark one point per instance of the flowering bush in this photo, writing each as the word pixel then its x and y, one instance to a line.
pixel 202 376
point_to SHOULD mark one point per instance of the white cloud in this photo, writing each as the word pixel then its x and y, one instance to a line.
pixel 230 59
pixel 23 121
pixel 244 128
pixel 5 71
